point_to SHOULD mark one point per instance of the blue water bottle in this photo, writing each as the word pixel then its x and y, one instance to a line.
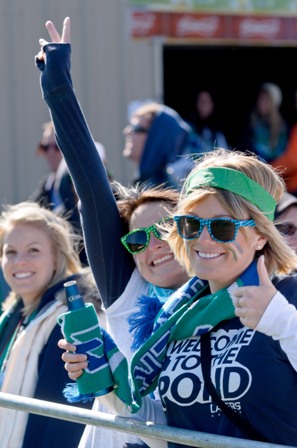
pixel 80 326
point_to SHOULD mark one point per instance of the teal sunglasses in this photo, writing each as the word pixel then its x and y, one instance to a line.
pixel 223 230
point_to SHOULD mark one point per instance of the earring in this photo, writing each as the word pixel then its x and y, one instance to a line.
pixel 258 247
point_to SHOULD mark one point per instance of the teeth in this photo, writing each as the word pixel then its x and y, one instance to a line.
pixel 23 274
pixel 167 257
pixel 208 255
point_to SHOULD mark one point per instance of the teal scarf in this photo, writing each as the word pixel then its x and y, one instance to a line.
pixel 189 312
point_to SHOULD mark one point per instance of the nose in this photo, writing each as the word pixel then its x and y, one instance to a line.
pixel 154 242
pixel 205 236
pixel 20 258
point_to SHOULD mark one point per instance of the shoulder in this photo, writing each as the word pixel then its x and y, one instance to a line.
pixel 287 285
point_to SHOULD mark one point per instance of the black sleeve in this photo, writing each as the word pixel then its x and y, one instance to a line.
pixel 111 264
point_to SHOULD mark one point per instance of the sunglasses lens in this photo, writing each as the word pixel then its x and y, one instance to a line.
pixel 138 129
pixel 161 228
pixel 286 229
pixel 137 241
pixel 223 230
pixel 188 227
pixel 46 148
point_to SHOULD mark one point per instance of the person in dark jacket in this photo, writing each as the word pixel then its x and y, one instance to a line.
pixel 160 143
pixel 55 191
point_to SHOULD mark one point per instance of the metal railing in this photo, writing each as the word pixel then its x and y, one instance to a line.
pixel 128 425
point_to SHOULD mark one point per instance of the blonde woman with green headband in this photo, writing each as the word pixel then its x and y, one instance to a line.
pixel 247 350
pixel 223 352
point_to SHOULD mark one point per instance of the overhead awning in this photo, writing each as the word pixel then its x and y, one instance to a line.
pixel 222 22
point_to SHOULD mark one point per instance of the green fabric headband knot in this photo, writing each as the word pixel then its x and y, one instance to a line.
pixel 236 182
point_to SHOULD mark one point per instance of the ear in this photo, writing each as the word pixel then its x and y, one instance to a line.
pixel 260 241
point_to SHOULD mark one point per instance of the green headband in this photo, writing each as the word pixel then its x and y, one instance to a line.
pixel 235 181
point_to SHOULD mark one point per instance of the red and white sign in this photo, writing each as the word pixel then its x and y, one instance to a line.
pixel 204 27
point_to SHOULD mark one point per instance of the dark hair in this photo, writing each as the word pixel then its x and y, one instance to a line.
pixel 132 197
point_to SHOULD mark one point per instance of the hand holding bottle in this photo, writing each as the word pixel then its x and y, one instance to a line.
pixel 80 326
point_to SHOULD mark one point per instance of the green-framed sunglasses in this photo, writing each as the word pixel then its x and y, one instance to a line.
pixel 137 240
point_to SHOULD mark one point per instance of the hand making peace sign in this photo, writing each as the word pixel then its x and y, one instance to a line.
pixel 55 36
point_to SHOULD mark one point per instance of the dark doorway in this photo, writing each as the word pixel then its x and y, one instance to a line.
pixel 234 74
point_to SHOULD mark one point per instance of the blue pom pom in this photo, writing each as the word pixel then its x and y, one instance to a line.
pixel 72 395
pixel 142 323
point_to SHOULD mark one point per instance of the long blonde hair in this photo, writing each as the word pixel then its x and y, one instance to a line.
pixel 279 257
pixel 64 241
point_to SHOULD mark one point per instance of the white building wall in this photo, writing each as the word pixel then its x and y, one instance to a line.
pixel 108 69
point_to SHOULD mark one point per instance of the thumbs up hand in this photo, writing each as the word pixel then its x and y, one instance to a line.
pixel 251 301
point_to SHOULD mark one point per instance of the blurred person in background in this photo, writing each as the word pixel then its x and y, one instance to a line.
pixel 159 142
pixel 287 162
pixel 56 190
pixel 286 216
pixel 266 131
pixel 205 123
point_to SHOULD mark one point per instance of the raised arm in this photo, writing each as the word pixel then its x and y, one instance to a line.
pixel 111 264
